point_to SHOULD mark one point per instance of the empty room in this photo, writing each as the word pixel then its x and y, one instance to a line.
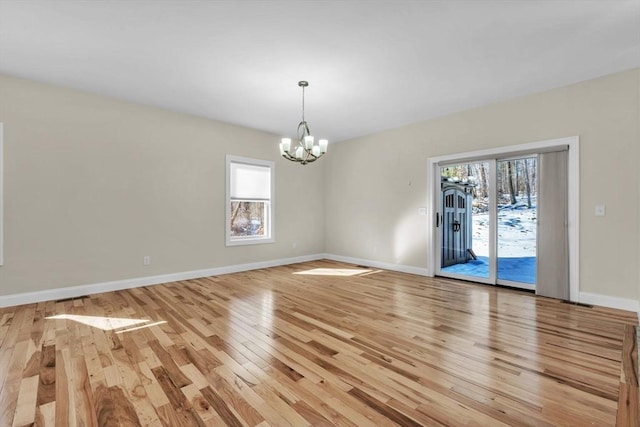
pixel 319 213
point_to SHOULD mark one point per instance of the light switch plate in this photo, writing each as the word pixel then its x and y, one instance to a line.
pixel 600 210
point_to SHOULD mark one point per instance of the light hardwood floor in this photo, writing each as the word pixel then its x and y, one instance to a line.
pixel 276 347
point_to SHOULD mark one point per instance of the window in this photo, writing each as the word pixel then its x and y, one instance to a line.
pixel 249 207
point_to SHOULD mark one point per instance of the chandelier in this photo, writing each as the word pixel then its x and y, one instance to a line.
pixel 305 151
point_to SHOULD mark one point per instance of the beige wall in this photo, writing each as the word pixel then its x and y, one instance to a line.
pixel 92 184
pixel 375 184
pixel 638 180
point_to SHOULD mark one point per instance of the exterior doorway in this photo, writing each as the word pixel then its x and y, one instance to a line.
pixel 487 223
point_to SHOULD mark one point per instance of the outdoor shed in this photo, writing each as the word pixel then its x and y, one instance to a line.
pixel 457 198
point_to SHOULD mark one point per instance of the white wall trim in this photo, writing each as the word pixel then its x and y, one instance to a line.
pixel 611 302
pixel 116 285
pixel 574 197
pixel 432 207
pixel 573 214
pixel 507 150
pixel 584 297
pixel 378 264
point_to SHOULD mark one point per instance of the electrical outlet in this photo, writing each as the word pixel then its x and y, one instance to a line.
pixel 600 210
pixel 146 260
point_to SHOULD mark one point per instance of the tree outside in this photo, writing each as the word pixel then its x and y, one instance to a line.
pixel 247 219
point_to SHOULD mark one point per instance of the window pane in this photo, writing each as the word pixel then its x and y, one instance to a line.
pixel 248 219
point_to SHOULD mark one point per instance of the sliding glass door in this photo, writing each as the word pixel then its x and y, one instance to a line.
pixel 487 221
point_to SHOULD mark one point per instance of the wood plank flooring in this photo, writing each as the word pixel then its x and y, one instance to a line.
pixel 338 345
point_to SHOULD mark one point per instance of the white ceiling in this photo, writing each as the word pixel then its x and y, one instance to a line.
pixel 372 65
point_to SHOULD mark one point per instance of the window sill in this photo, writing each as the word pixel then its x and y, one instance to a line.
pixel 249 241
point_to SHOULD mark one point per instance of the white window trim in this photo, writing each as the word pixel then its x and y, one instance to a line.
pixel 248 240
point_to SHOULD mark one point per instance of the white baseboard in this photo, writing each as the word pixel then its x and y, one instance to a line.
pixel 116 285
pixel 378 264
pixel 76 291
pixel 584 297
pixel 611 302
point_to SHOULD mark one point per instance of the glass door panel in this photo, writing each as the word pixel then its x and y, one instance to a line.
pixel 465 220
pixel 516 203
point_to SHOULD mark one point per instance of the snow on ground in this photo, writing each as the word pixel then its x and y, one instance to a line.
pixel 516 231
pixel 516 245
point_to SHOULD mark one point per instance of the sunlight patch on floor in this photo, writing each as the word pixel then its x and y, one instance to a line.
pixel 337 272
pixel 107 323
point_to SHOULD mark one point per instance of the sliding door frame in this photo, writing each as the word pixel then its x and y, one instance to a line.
pixel 573 169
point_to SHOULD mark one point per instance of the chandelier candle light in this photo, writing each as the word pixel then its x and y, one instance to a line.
pixel 305 151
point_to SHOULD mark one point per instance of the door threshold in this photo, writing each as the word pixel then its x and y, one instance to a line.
pixel 475 282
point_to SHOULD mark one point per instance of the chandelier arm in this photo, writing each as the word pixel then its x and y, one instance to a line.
pixel 290 157
pixel 305 130
pixel 308 158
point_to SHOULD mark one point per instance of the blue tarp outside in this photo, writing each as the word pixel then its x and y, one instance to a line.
pixel 521 269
